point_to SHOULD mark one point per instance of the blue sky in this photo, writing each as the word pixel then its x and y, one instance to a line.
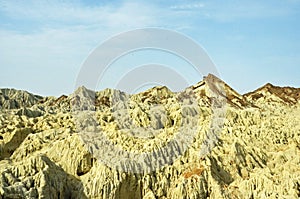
pixel 44 43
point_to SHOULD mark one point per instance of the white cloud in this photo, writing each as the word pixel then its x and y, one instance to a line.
pixel 231 10
pixel 57 38
pixel 67 29
pixel 240 10
pixel 40 36
pixel 188 6
pixel 62 12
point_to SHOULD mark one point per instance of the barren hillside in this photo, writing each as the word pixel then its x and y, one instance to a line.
pixel 207 141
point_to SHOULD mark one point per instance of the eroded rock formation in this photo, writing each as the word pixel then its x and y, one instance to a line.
pixel 207 141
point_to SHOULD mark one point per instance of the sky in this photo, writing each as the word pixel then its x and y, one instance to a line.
pixel 44 44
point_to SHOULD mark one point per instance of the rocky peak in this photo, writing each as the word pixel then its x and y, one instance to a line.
pixel 82 99
pixel 155 95
pixel 211 87
pixel 62 154
pixel 274 94
pixel 14 99
pixel 84 92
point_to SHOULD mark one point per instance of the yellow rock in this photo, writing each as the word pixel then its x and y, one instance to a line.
pixel 155 144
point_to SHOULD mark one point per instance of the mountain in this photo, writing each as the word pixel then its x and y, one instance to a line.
pixel 274 94
pixel 14 99
pixel 207 141
pixel 204 91
pixel 212 85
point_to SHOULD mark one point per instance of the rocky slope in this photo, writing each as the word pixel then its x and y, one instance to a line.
pixel 274 94
pixel 207 141
pixel 14 99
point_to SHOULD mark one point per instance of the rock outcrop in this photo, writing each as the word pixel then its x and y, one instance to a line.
pixel 14 99
pixel 207 141
pixel 274 94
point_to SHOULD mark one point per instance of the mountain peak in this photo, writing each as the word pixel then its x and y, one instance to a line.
pixel 14 99
pixel 268 85
pixel 212 86
pixel 211 77
pixel 275 94
pixel 83 99
pixel 81 89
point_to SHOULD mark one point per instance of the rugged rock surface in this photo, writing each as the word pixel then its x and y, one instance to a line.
pixel 274 94
pixel 14 99
pixel 205 142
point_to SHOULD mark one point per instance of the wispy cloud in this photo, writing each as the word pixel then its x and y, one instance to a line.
pixel 188 6
pixel 72 13
pixel 42 35
pixel 231 10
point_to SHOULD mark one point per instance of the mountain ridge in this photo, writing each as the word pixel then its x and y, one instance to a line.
pixel 207 141
pixel 285 94
pixel 14 99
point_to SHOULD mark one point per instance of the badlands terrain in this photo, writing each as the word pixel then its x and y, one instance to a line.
pixel 207 141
